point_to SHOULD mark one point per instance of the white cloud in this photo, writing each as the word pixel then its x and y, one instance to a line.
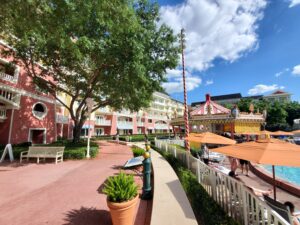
pixel 294 3
pixel 282 72
pixel 209 82
pixel 262 88
pixel 215 29
pixel 176 84
pixel 296 71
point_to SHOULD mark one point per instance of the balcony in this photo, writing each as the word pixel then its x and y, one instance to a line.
pixel 2 113
pixel 62 119
pixel 140 124
pixel 125 125
pixel 103 122
pixel 161 127
pixel 7 77
pixel 10 96
pixel 104 110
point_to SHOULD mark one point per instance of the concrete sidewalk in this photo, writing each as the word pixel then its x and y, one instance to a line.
pixel 66 193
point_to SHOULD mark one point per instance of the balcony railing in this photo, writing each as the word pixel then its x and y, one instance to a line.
pixel 124 125
pixel 62 119
pixel 5 76
pixel 140 124
pixel 103 122
pixel 161 126
pixel 9 96
pixel 2 113
pixel 104 110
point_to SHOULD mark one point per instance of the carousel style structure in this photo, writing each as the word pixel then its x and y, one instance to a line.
pixel 215 118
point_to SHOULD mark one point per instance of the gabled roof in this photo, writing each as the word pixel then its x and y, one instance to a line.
pixel 209 107
pixel 278 92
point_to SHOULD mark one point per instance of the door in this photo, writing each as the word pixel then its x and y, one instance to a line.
pixel 37 136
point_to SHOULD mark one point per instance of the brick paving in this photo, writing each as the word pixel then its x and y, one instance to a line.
pixel 66 193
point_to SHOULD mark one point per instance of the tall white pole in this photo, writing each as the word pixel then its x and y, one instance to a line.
pixel 89 136
pixel 11 125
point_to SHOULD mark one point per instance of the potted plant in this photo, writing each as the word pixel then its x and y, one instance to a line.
pixel 122 196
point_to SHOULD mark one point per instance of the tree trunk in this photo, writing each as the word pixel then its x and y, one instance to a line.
pixel 77 130
pixel 76 134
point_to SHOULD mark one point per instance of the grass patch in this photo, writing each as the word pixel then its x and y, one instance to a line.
pixel 206 210
pixel 137 151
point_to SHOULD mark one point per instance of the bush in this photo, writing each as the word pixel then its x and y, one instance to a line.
pixel 120 188
pixel 137 151
pixel 206 210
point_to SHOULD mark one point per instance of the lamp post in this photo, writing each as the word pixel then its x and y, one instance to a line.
pixel 147 193
pixel 186 118
pixel 90 104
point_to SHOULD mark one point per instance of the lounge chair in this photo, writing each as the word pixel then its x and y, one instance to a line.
pixel 280 208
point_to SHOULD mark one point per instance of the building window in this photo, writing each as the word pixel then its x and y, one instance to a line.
pixel 39 110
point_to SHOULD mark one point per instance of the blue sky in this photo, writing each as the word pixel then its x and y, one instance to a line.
pixel 251 47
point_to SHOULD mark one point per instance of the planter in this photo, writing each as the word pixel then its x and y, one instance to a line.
pixel 122 213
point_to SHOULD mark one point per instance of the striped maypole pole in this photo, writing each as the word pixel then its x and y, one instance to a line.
pixel 186 117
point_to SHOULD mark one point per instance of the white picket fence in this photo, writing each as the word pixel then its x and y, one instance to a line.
pixel 233 196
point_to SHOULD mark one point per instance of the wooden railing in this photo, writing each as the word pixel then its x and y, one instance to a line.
pixel 234 197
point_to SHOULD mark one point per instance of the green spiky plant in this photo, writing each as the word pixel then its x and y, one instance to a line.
pixel 120 188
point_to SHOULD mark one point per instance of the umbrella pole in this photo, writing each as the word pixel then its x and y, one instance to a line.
pixel 274 181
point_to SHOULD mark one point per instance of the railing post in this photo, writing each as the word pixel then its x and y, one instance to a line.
pixel 147 189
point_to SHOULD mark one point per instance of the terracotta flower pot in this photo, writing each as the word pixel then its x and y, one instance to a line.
pixel 122 213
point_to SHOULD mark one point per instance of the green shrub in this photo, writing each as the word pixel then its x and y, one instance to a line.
pixel 74 154
pixel 120 188
pixel 206 210
pixel 137 151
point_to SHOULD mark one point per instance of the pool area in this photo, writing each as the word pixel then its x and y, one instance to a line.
pixel 291 174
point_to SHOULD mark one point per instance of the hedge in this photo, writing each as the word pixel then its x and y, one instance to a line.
pixel 206 210
pixel 137 151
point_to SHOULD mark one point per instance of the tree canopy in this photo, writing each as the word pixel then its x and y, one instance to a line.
pixel 110 50
pixel 280 115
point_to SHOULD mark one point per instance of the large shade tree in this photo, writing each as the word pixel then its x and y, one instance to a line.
pixel 113 51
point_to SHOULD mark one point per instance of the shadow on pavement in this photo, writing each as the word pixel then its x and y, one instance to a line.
pixel 87 216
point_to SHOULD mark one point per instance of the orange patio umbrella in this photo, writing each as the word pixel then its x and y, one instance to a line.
pixel 296 132
pixel 282 133
pixel 267 151
pixel 209 138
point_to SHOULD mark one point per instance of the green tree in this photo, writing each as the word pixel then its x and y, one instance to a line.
pixel 244 104
pixel 261 105
pixel 110 50
pixel 293 111
pixel 276 118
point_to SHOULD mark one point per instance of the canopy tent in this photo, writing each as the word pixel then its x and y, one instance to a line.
pixel 267 151
pixel 282 133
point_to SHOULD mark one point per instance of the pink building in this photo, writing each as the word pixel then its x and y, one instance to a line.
pixel 26 113
pixel 29 115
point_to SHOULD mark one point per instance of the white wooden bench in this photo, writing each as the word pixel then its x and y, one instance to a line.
pixel 43 152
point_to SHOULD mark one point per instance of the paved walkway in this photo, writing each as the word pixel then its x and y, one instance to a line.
pixel 66 193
